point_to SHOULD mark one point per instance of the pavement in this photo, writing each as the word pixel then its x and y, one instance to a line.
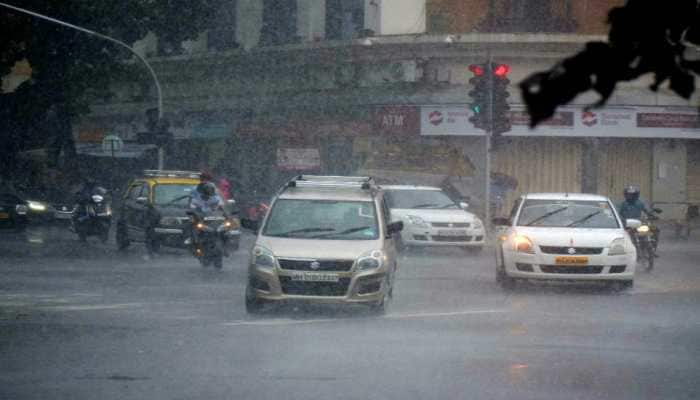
pixel 84 321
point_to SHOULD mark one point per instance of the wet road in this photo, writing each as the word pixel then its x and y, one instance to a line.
pixel 87 322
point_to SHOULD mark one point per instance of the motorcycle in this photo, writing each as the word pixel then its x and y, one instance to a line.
pixel 646 241
pixel 209 237
pixel 92 216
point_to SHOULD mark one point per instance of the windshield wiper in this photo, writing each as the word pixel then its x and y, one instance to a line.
pixel 304 230
pixel 345 232
pixel 425 205
pixel 549 214
pixel 584 219
pixel 448 205
pixel 176 199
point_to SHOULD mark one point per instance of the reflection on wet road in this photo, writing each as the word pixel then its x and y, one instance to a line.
pixel 85 321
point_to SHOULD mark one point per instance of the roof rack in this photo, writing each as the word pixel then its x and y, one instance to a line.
pixel 171 174
pixel 362 182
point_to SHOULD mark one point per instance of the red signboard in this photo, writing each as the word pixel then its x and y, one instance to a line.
pixel 396 121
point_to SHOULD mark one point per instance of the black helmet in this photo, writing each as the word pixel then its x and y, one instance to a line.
pixel 206 190
pixel 631 193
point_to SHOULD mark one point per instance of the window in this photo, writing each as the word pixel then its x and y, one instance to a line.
pixel 528 16
pixel 222 35
pixel 567 214
pixel 134 191
pixel 416 199
pixel 344 19
pixel 322 219
pixel 279 23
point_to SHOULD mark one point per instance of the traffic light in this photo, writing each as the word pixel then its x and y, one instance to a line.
pixel 501 117
pixel 489 97
pixel 480 96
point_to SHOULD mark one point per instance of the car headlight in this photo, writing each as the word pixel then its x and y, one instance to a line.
pixel 263 257
pixel 643 229
pixel 97 198
pixel 617 247
pixel 21 209
pixel 417 221
pixel 370 260
pixel 36 205
pixel 477 223
pixel 522 244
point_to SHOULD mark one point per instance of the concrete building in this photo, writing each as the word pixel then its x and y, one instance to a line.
pixel 381 86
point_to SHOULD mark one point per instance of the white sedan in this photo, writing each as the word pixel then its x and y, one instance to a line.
pixel 559 236
pixel 431 218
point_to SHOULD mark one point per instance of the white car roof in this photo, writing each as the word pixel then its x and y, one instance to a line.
pixel 565 196
pixel 409 187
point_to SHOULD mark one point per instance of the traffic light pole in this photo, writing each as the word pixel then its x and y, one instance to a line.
pixel 159 93
pixel 487 167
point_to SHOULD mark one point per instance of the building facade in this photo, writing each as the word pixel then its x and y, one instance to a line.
pixel 276 88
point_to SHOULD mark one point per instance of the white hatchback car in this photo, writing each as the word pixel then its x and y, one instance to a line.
pixel 558 236
pixel 431 218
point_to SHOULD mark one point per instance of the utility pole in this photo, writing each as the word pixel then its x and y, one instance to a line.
pixel 159 93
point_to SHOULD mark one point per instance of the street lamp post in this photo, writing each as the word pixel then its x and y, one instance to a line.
pixel 159 93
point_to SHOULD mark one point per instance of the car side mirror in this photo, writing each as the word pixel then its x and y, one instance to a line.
pixel 394 227
pixel 463 205
pixel 142 200
pixel 633 223
pixel 500 221
pixel 657 210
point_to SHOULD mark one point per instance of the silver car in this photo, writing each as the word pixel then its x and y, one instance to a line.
pixel 326 240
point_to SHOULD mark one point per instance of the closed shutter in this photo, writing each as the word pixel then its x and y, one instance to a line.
pixel 693 172
pixel 539 164
pixel 623 162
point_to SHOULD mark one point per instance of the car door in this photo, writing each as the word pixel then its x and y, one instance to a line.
pixel 133 210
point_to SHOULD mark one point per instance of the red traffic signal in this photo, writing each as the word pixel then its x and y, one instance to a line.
pixel 501 70
pixel 476 69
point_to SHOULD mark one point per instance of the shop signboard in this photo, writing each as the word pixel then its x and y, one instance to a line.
pixel 612 121
pixel 447 121
pixel 298 159
pixel 396 121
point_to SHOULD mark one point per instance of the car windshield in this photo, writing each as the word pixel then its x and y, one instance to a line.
pixel 416 199
pixel 567 214
pixel 322 219
pixel 173 194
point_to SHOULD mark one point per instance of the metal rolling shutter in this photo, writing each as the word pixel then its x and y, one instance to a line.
pixel 693 172
pixel 623 162
pixel 540 164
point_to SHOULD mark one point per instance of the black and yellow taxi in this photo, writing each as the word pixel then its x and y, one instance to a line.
pixel 154 210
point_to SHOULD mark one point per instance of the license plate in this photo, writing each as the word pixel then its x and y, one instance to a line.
pixel 4 215
pixel 314 277
pixel 571 260
pixel 452 233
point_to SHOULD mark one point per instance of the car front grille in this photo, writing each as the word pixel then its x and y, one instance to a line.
pixel 323 265
pixel 566 250
pixel 301 288
pixel 451 224
pixel 438 238
pixel 565 269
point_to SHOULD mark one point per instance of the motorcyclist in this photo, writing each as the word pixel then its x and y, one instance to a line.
pixel 633 208
pixel 206 200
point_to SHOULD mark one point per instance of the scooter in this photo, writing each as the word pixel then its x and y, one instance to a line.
pixel 209 237
pixel 646 240
pixel 93 216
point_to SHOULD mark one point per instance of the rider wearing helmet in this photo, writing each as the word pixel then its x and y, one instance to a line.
pixel 206 199
pixel 633 208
